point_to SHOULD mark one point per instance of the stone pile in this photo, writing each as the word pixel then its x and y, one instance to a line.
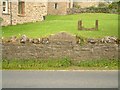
pixel 65 37
pixel 109 39
pixel 24 39
pixel 105 40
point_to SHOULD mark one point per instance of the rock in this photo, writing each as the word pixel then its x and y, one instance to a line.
pixel 85 49
pixel 109 39
pixel 31 41
pixel 118 41
pixel 13 39
pixel 91 41
pixel 36 41
pixel 24 39
pixel 112 39
pixel 78 40
pixel 45 40
pixel 58 43
pixel 2 39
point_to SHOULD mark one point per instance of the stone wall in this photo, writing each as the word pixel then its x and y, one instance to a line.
pixel 34 11
pixel 60 46
pixel 86 4
pixel 89 10
pixel 61 50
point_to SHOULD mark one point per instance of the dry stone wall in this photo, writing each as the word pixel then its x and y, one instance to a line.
pixel 60 46
pixel 56 51
pixel 86 4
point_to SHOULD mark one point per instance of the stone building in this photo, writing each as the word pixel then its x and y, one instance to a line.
pixel 21 12
pixel 59 8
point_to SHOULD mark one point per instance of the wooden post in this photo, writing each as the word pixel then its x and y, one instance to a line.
pixel 80 25
pixel 96 25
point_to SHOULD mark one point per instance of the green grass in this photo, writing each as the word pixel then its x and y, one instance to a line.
pixel 62 64
pixel 108 26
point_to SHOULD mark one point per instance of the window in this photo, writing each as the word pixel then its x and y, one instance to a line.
pixel 56 6
pixel 5 6
pixel 21 7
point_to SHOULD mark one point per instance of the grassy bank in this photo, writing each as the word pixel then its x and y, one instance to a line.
pixel 108 26
pixel 62 64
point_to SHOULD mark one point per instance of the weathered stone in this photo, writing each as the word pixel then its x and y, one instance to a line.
pixel 85 49
pixel 91 41
pixel 31 41
pixel 106 49
pixel 78 40
pixel 109 39
pixel 76 48
pixel 45 40
pixel 13 39
pixel 118 41
pixel 24 39
pixel 36 41
pixel 59 43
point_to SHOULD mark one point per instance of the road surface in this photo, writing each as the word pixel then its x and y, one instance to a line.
pixel 60 79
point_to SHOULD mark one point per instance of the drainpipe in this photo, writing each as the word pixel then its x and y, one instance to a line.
pixel 10 12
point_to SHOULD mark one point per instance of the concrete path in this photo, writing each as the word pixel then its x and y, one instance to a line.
pixel 59 79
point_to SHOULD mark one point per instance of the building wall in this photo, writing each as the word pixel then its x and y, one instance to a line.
pixel 34 11
pixel 0 11
pixel 61 10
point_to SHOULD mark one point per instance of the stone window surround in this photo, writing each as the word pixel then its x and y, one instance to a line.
pixel 22 12
pixel 6 6
pixel 7 10
pixel 55 5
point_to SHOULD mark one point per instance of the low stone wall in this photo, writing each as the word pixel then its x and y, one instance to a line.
pixel 59 50
pixel 60 46
pixel 91 10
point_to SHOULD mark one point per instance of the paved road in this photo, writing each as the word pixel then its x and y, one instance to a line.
pixel 60 79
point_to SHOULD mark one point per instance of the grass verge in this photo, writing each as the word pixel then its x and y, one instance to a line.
pixel 62 64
